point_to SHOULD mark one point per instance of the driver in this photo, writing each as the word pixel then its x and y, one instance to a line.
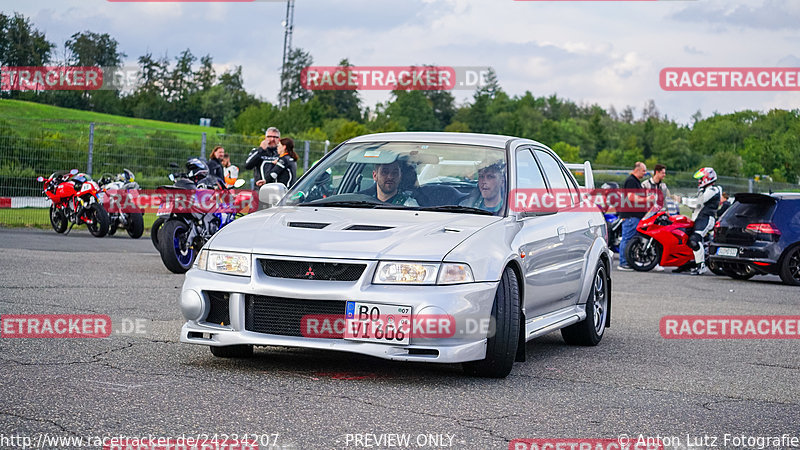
pixel 387 185
pixel 491 187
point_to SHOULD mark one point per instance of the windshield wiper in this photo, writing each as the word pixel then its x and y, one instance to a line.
pixel 457 208
pixel 342 203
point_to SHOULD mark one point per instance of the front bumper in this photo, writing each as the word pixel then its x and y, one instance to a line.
pixel 467 303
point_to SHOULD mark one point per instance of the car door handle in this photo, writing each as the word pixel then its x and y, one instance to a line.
pixel 562 233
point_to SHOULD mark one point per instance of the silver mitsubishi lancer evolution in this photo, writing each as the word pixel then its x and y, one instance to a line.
pixel 431 247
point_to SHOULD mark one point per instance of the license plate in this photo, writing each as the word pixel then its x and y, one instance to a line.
pixel 727 251
pixel 377 322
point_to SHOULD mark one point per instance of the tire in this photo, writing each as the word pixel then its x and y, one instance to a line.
pixel 232 351
pixel 790 267
pixel 501 347
pixel 740 272
pixel 58 220
pixel 100 220
pixel 639 259
pixel 154 231
pixel 112 227
pixel 177 255
pixel 135 225
pixel 590 330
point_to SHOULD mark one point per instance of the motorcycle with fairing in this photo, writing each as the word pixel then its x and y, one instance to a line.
pixel 195 208
pixel 130 221
pixel 74 202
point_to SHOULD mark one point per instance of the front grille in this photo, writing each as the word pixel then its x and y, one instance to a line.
pixel 218 311
pixel 283 316
pixel 312 270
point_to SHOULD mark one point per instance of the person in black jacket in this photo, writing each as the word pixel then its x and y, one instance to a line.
pixel 261 157
pixel 284 169
pixel 215 164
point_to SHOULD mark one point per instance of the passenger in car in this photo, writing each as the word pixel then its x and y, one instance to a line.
pixel 387 185
pixel 490 192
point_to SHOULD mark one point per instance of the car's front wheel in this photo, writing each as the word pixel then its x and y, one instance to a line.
pixel 232 351
pixel 590 330
pixel 501 347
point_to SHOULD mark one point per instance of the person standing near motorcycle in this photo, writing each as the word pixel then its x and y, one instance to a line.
pixel 215 164
pixel 630 218
pixel 262 156
pixel 656 183
pixel 284 169
pixel 704 216
pixel 231 171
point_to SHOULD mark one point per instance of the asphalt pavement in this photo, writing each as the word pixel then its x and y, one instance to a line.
pixel 147 384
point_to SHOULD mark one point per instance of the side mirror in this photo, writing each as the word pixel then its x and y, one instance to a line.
pixel 270 194
pixel 172 178
pixel 40 179
pixel 73 172
pixel 239 183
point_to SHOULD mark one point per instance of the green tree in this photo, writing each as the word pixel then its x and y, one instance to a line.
pixel 291 86
pixel 344 103
pixel 412 110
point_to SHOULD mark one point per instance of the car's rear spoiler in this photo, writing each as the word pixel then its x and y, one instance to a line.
pixel 751 197
pixel 586 169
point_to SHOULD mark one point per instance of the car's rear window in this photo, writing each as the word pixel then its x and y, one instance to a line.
pixel 741 213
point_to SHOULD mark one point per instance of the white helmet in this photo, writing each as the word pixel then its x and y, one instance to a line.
pixel 705 176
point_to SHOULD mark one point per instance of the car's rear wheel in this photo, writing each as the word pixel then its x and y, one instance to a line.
pixel 739 271
pixel 501 347
pixel 232 351
pixel 790 267
pixel 590 330
pixel 642 257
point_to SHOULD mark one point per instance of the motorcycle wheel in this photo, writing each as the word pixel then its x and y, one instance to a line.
pixel 100 220
pixel 640 259
pixel 112 227
pixel 154 231
pixel 58 220
pixel 176 253
pixel 135 225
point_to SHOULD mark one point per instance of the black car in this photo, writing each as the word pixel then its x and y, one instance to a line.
pixel 758 235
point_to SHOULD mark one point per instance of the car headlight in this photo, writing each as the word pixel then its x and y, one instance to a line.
pixel 421 273
pixel 406 273
pixel 224 262
pixel 454 273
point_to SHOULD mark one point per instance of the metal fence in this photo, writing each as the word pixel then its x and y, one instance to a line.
pixel 30 148
pixel 34 147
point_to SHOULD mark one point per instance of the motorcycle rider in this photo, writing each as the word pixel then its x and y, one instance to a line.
pixel 261 158
pixel 704 216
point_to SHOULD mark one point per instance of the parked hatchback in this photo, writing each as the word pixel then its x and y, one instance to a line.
pixel 403 246
pixel 758 235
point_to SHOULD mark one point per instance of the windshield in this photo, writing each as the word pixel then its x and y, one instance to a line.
pixel 445 177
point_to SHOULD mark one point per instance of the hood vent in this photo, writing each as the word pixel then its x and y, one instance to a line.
pixel 312 225
pixel 367 228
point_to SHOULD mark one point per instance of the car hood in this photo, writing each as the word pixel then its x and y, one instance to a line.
pixel 350 233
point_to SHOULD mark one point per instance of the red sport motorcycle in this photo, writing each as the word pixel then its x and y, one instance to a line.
pixel 74 198
pixel 664 239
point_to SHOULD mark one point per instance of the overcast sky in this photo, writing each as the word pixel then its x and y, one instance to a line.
pixel 607 52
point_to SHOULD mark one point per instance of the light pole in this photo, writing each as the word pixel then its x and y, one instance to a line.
pixel 288 26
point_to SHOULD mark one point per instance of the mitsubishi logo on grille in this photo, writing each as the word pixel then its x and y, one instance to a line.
pixel 309 273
